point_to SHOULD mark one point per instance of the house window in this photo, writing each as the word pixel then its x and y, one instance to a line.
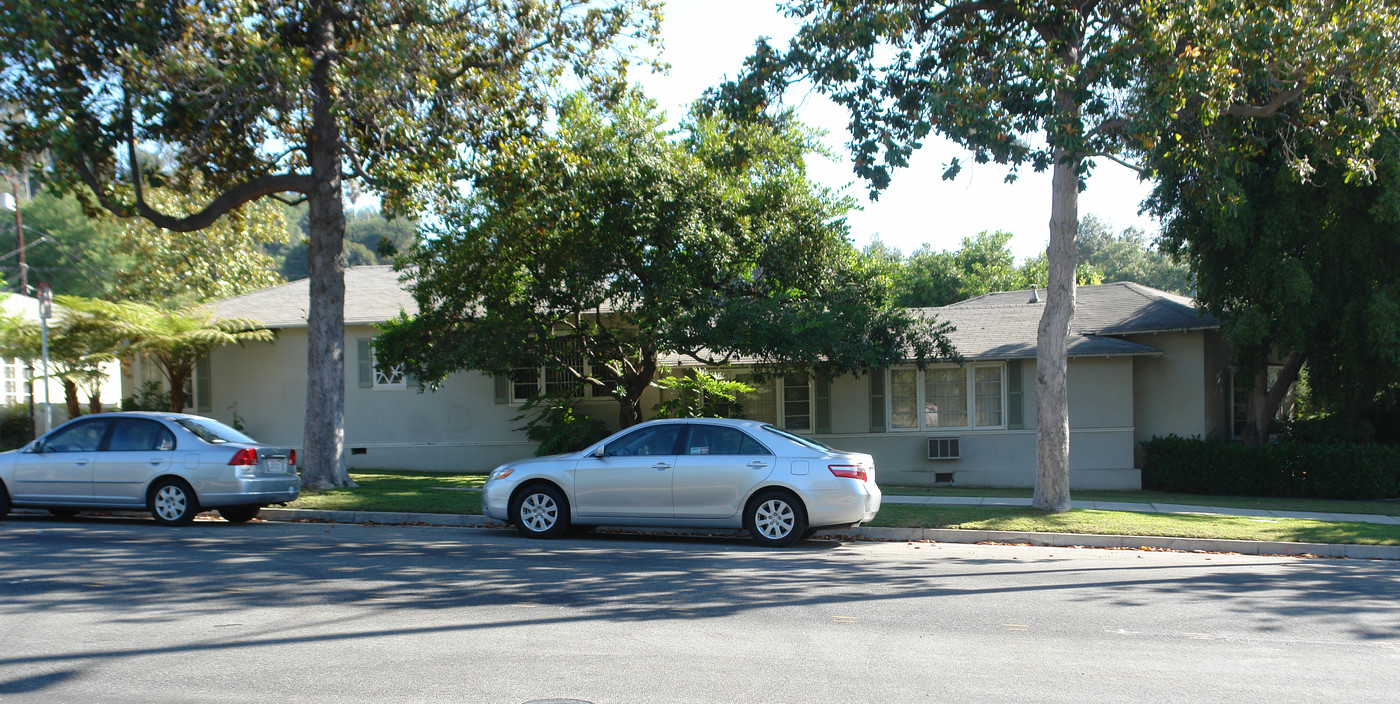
pixel 528 382
pixel 947 397
pixel 390 378
pixel 790 394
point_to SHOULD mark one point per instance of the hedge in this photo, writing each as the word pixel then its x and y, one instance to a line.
pixel 1336 471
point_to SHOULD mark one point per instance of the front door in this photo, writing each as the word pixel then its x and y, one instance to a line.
pixel 58 468
pixel 633 477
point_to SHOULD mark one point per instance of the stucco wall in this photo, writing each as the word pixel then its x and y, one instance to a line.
pixel 1180 391
pixel 1101 434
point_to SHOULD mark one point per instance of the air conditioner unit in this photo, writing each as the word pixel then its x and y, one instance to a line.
pixel 945 448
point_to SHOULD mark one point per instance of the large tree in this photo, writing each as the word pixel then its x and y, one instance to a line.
pixel 1057 84
pixel 620 241
pixel 284 97
pixel 1301 271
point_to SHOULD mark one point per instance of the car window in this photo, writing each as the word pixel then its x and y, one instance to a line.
pixel 658 440
pixel 78 437
pixel 718 440
pixel 136 434
pixel 212 431
pixel 804 441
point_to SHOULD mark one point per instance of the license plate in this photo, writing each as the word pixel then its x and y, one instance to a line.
pixel 276 465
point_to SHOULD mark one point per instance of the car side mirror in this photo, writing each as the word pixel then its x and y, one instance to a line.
pixel 602 451
pixel 35 446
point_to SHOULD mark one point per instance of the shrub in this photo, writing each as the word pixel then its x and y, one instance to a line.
pixel 1331 471
pixel 557 427
pixel 15 427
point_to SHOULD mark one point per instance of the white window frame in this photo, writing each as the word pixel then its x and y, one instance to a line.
pixel 395 380
pixel 921 386
pixel 541 377
pixel 780 400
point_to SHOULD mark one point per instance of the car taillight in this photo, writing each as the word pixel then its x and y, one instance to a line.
pixel 245 456
pixel 850 471
pixel 292 458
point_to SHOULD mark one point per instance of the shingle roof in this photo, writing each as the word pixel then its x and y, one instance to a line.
pixel 995 326
pixel 1003 324
pixel 373 294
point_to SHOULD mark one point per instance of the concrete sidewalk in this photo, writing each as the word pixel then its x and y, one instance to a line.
pixel 1146 508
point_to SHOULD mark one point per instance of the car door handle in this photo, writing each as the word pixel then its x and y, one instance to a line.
pixel 758 465
pixel 660 466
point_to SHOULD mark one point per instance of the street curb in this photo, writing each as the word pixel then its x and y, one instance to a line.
pixel 939 535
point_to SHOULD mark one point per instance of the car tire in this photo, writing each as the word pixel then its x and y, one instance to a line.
pixel 776 518
pixel 239 514
pixel 172 502
pixel 807 534
pixel 540 511
pixel 63 511
pixel 4 501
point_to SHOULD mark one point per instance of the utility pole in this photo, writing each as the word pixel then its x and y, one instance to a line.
pixel 19 234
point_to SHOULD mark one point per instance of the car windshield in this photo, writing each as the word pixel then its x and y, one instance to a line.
pixel 805 442
pixel 214 432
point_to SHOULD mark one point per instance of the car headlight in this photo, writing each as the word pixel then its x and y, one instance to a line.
pixel 500 473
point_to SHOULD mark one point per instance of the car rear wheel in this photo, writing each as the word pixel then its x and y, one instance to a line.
pixel 4 501
pixel 239 514
pixel 172 502
pixel 776 519
pixel 540 511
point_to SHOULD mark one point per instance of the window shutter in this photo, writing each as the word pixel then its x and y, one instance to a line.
pixel 366 362
pixel 821 389
pixel 411 380
pixel 203 401
pixel 877 400
pixel 502 388
pixel 1014 398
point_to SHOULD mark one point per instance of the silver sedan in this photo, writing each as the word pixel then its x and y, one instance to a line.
pixel 172 464
pixel 706 473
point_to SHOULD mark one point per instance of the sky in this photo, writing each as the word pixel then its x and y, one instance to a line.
pixel 706 41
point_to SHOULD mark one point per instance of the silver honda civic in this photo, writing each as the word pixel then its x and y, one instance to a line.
pixel 172 464
pixel 704 473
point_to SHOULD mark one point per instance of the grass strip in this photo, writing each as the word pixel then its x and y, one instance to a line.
pixel 1290 530
pixel 1383 508
pixel 392 490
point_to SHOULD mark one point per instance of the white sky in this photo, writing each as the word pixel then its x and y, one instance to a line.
pixel 707 41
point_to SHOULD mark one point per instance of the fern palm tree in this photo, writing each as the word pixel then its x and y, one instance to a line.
pixel 175 339
pixel 78 347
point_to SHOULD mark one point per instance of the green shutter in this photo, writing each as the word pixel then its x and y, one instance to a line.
pixel 1015 405
pixel 502 388
pixel 203 389
pixel 366 362
pixel 877 400
pixel 821 388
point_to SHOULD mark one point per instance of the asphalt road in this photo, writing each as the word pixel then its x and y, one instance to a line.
pixel 123 610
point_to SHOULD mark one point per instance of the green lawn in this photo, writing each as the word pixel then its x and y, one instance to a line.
pixel 1384 508
pixel 387 490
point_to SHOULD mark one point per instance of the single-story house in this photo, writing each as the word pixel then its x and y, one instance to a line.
pixel 1142 362
pixel 15 373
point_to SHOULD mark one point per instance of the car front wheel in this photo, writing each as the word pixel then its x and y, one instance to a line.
pixel 540 511
pixel 776 519
pixel 172 502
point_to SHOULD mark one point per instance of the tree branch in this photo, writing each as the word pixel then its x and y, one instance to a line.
pixel 1268 109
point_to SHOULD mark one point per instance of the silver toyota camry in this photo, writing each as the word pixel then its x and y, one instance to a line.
pixel 708 473
pixel 172 464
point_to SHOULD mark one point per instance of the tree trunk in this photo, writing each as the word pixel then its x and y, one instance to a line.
pixel 70 397
pixel 1264 400
pixel 630 406
pixel 323 460
pixel 1051 373
pixel 177 380
pixel 95 399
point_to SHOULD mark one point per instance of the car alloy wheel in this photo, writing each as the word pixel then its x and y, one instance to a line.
pixel 172 503
pixel 777 519
pixel 541 511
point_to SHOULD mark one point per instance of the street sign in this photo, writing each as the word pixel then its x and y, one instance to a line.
pixel 45 300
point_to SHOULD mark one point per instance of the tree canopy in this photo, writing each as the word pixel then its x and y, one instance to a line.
pixel 631 241
pixel 268 98
pixel 1055 85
